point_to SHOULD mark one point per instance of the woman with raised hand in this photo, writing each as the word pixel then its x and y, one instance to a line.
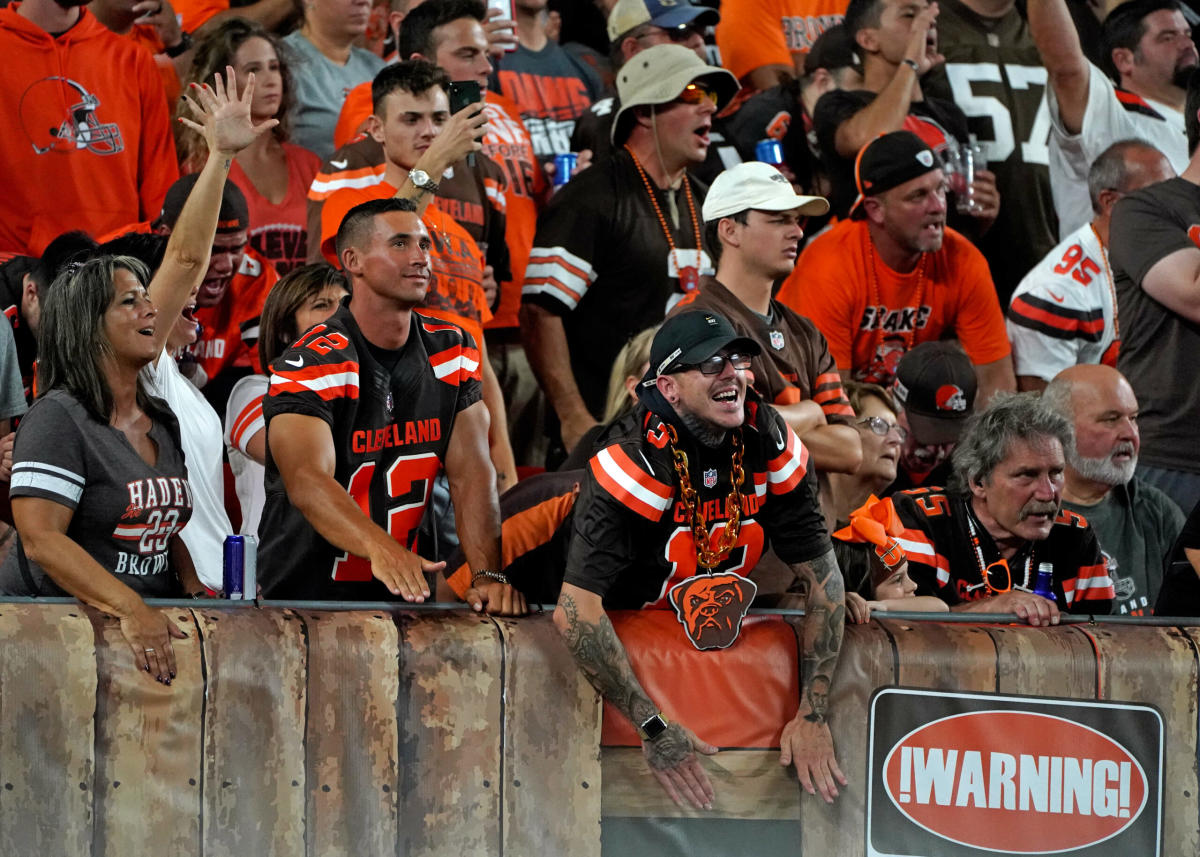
pixel 99 489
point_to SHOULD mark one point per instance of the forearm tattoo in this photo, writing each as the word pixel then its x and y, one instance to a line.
pixel 821 634
pixel 602 658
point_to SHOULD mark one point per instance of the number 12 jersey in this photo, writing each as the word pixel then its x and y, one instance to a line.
pixel 391 426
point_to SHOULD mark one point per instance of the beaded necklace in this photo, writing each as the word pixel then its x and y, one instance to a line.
pixel 689 277
pixel 1112 288
pixel 873 282
pixel 984 569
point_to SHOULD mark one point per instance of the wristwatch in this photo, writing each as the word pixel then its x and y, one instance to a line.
pixel 181 47
pixel 421 180
pixel 653 727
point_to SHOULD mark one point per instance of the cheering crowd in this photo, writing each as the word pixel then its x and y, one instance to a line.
pixel 640 304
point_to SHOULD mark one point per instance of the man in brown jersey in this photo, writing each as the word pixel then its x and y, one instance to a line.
pixel 754 222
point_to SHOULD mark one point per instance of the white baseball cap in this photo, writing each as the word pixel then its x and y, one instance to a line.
pixel 754 184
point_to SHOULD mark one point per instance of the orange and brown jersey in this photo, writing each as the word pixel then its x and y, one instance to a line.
pixel 455 290
pixel 948 550
pixel 631 537
pixel 795 363
pixel 229 335
pixel 390 414
pixel 475 196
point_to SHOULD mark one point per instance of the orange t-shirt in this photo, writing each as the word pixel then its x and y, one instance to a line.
pixel 754 33
pixel 838 273
pixel 147 37
pixel 456 288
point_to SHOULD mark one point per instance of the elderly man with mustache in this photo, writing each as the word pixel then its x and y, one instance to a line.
pixel 979 544
pixel 1135 522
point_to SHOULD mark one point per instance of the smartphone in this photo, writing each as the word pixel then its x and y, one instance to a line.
pixel 505 8
pixel 463 93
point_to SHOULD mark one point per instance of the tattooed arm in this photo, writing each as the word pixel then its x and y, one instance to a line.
pixel 806 739
pixel 594 644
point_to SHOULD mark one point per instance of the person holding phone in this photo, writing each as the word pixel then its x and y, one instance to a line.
pixel 421 140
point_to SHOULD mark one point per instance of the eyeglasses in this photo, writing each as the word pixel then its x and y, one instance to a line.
pixel 695 93
pixel 881 427
pixel 715 365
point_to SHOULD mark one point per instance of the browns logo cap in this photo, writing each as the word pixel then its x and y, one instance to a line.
pixel 935 384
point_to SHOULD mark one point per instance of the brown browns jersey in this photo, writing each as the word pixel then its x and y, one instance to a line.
pixel 795 363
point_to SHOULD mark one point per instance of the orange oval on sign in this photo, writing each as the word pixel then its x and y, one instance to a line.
pixel 1015 781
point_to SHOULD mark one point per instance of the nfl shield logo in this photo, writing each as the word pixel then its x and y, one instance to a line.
pixel 710 478
pixel 776 340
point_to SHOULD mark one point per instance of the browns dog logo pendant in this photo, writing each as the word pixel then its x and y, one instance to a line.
pixel 711 607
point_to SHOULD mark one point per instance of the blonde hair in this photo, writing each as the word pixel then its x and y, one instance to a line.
pixel 628 364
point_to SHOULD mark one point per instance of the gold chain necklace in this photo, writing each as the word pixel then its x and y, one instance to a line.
pixel 707 557
pixel 1112 287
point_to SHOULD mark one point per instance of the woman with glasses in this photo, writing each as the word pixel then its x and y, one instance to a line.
pixel 842 493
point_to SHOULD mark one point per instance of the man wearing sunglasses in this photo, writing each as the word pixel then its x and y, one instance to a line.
pixel 622 241
pixel 634 26
pixel 979 544
pixel 701 452
pixel 753 218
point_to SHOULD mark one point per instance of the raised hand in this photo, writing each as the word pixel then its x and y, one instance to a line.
pixel 224 116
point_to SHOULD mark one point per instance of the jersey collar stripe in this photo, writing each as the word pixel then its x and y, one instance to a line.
pixel 70 475
pixel 438 328
pixel 786 470
pixel 50 484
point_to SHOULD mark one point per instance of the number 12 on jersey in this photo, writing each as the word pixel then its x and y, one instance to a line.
pixel 408 483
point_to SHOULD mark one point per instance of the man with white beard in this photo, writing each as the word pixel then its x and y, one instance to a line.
pixel 1135 522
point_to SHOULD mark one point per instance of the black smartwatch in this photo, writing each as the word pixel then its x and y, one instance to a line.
pixel 653 727
pixel 181 47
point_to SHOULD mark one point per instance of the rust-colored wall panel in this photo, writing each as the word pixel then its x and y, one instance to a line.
pixel 451 709
pixel 253 733
pixel 1055 661
pixel 353 734
pixel 866 662
pixel 749 784
pixel 47 702
pixel 551 745
pixel 943 657
pixel 148 748
pixel 1157 666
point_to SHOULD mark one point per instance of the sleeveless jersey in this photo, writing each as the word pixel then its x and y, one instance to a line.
pixel 631 540
pixel 943 562
pixel 390 430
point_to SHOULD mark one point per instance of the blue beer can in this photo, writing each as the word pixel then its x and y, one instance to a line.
pixel 769 151
pixel 235 567
pixel 564 165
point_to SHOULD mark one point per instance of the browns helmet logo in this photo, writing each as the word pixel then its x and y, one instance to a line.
pixel 711 607
pixel 59 115
pixel 950 397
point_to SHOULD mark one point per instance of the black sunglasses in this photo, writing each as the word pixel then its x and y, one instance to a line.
pixel 715 365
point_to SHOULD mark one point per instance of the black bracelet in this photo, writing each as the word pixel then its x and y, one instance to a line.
pixel 181 47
